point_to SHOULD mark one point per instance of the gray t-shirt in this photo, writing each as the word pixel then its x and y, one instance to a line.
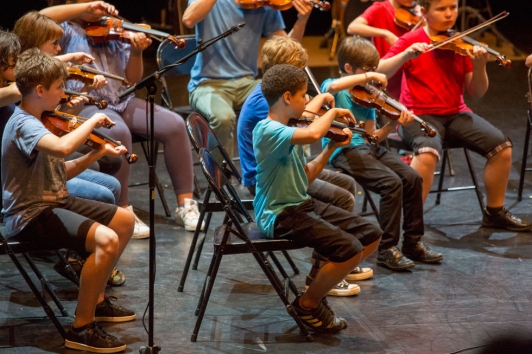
pixel 31 180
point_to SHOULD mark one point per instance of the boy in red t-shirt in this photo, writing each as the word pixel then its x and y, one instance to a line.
pixel 378 22
pixel 433 86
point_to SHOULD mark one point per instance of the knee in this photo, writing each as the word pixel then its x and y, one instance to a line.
pixel 108 242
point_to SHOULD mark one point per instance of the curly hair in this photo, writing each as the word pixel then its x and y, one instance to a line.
pixel 283 50
pixel 357 52
pixel 37 68
pixel 9 49
pixel 35 29
pixel 280 79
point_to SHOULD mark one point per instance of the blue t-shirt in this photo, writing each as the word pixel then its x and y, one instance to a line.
pixel 281 178
pixel 236 55
pixel 342 99
pixel 31 180
pixel 254 110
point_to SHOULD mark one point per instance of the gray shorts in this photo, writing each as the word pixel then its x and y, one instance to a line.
pixel 66 226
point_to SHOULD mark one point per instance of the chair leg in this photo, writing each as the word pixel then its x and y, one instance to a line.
pixel 202 242
pixel 291 262
pixel 524 159
pixel 442 174
pixel 480 197
pixel 285 276
pixel 68 268
pixel 160 189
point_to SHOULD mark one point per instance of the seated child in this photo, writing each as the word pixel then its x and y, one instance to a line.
pixel 38 207
pixel 284 209
pixel 377 169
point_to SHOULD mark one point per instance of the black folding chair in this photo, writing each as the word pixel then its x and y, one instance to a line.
pixel 202 136
pixel 524 169
pixel 238 235
pixel 13 247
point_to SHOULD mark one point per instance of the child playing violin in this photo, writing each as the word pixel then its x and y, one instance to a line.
pixel 329 187
pixel 38 207
pixel 125 60
pixel 377 169
pixel 378 22
pixel 284 209
pixel 433 88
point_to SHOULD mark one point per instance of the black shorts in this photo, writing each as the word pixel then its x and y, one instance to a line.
pixel 334 233
pixel 66 226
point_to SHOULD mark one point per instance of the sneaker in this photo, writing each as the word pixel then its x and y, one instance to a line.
pixel 117 278
pixel 141 229
pixel 188 215
pixel 505 220
pixel 421 253
pixel 359 273
pixel 93 338
pixel 106 311
pixel 343 288
pixel 394 259
pixel 318 319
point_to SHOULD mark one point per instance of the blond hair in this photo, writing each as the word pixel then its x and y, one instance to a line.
pixel 35 29
pixel 283 50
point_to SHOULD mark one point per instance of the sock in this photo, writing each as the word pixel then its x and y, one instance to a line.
pixel 80 329
pixel 493 211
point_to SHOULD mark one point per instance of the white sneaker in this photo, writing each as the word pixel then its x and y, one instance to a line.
pixel 188 215
pixel 360 273
pixel 141 229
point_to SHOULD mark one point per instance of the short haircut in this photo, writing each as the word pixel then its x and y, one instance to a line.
pixel 358 52
pixel 9 49
pixel 35 29
pixel 280 79
pixel 425 3
pixel 283 50
pixel 37 68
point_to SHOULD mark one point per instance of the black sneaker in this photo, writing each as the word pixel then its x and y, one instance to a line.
pixel 394 259
pixel 93 339
pixel 421 253
pixel 319 319
pixel 106 311
pixel 505 220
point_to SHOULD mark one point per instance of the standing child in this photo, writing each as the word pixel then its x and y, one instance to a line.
pixel 37 205
pixel 376 168
pixel 282 205
pixel 433 88
pixel 378 22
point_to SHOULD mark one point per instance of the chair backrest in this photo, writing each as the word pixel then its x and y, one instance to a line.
pixel 222 188
pixel 168 53
pixel 529 95
pixel 202 136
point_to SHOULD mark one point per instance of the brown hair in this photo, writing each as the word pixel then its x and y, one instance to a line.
pixel 280 79
pixel 9 49
pixel 283 50
pixel 37 68
pixel 425 3
pixel 358 52
pixel 35 29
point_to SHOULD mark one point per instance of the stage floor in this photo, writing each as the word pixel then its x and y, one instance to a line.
pixel 479 292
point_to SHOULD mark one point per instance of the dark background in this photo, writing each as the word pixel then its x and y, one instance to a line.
pixel 517 27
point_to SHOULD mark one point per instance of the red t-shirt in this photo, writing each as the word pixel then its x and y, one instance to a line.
pixel 433 83
pixel 382 15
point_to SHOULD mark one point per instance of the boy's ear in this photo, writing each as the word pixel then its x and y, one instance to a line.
pixel 39 90
pixel 287 97
pixel 423 12
pixel 348 68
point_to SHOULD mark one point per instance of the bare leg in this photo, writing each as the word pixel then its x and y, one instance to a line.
pixel 106 245
pixel 496 175
pixel 425 165
pixel 181 198
pixel 331 274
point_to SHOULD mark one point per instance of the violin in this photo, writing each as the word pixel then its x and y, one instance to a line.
pixel 409 18
pixel 465 44
pixel 280 4
pixel 60 124
pixel 86 75
pixel 372 97
pixel 101 104
pixel 335 132
pixel 110 28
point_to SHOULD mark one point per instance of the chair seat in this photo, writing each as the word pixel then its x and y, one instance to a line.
pixel 235 245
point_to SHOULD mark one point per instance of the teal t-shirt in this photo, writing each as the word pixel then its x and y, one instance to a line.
pixel 281 177
pixel 342 99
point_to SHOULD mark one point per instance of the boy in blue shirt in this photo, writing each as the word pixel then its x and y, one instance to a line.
pixel 377 169
pixel 282 205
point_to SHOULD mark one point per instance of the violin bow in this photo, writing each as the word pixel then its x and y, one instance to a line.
pixel 471 30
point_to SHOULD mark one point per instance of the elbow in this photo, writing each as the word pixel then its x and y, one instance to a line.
pixel 63 150
pixel 188 21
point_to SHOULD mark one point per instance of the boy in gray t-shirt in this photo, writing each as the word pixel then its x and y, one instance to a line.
pixel 38 207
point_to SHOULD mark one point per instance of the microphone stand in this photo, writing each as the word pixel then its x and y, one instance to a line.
pixel 151 89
